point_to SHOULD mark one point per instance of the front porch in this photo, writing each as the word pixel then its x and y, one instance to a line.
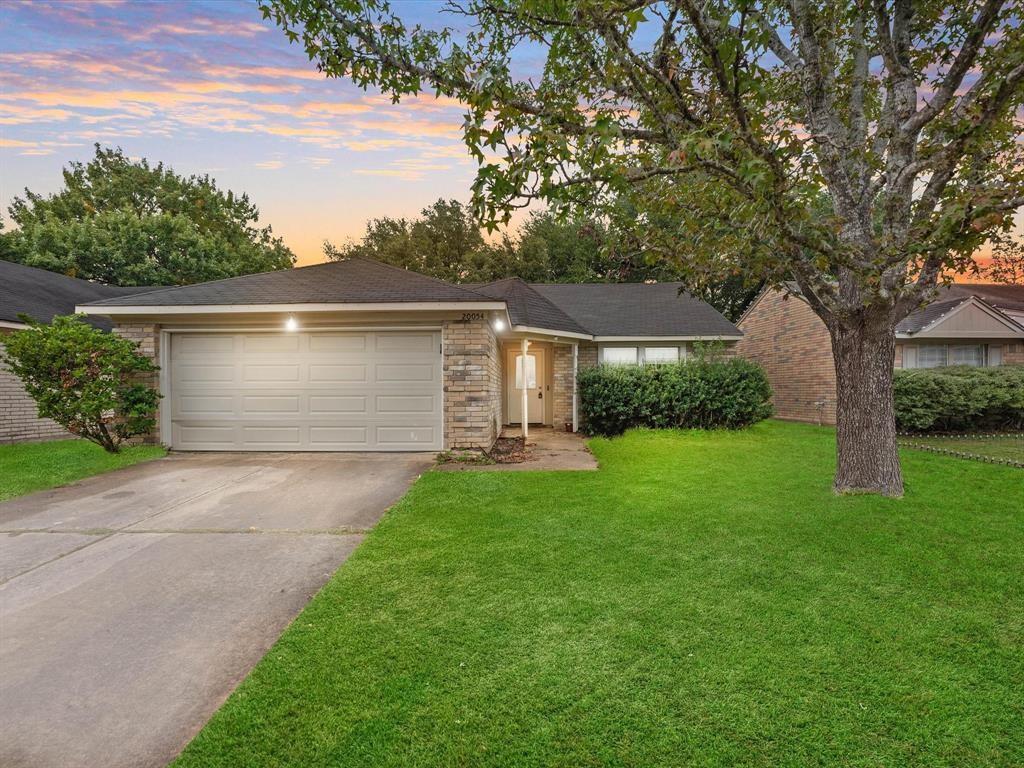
pixel 544 387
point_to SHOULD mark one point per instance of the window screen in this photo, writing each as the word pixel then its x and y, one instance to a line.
pixel 967 354
pixel 619 355
pixel 661 354
pixel 931 356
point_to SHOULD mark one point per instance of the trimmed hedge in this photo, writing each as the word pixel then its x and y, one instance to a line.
pixel 959 399
pixel 705 394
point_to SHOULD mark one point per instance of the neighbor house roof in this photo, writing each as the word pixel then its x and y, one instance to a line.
pixel 42 294
pixel 999 295
pixel 587 310
pixel 637 309
pixel 351 280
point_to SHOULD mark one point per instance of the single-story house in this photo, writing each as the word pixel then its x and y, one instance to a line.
pixel 355 355
pixel 965 324
pixel 40 295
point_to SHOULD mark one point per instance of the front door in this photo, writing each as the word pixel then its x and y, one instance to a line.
pixel 533 374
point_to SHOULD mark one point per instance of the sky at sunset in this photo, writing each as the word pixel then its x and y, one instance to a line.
pixel 210 87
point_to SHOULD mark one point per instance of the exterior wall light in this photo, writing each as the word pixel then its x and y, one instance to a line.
pixel 499 324
pixel 291 324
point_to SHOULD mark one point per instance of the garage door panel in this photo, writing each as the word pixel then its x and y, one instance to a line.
pixel 406 404
pixel 261 405
pixel 327 374
pixel 326 405
pixel 388 372
pixel 270 343
pixel 405 342
pixel 336 342
pixel 266 373
pixel 192 373
pixel 208 406
pixel 329 391
pixel 339 438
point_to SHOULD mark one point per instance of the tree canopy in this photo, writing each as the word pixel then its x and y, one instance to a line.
pixel 125 222
pixel 861 149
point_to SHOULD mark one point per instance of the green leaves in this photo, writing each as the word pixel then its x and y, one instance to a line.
pixel 129 223
pixel 86 380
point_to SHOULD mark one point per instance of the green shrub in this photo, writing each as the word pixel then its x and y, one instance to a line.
pixel 84 379
pixel 704 393
pixel 959 399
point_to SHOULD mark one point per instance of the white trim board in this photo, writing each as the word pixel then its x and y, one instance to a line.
pixel 226 309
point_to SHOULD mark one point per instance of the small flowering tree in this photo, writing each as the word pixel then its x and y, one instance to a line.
pixel 84 379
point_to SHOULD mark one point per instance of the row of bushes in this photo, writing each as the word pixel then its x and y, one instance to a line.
pixel 959 399
pixel 702 394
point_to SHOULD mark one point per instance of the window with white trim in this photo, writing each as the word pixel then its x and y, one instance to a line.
pixel 939 355
pixel 967 354
pixel 619 355
pixel 655 355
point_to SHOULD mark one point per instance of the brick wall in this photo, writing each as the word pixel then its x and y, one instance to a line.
pixel 472 384
pixel 793 346
pixel 587 356
pixel 18 420
pixel 1013 354
pixel 147 336
pixel 563 383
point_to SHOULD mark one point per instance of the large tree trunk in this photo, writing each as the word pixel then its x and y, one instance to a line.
pixel 866 453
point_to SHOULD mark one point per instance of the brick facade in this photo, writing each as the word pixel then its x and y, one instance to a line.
pixel 793 346
pixel 562 385
pixel 147 336
pixel 19 422
pixel 472 384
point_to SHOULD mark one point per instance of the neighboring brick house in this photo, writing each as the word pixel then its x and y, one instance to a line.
pixel 966 324
pixel 357 355
pixel 40 295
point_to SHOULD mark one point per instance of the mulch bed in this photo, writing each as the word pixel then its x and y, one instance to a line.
pixel 510 450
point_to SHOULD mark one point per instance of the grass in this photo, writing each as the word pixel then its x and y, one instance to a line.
pixel 28 467
pixel 702 600
pixel 993 446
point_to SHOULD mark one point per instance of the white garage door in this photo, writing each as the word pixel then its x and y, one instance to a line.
pixel 316 391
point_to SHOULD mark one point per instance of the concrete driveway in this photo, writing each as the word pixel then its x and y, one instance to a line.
pixel 133 603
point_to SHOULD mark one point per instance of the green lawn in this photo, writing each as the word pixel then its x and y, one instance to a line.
pixel 996 447
pixel 701 600
pixel 28 467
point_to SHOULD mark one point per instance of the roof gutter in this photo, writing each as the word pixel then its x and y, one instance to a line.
pixel 234 309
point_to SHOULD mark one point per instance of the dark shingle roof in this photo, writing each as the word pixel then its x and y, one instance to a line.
pixel 527 307
pixel 349 281
pixel 922 318
pixel 637 309
pixel 998 295
pixel 41 294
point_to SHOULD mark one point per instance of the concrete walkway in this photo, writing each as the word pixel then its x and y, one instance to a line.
pixel 550 449
pixel 133 603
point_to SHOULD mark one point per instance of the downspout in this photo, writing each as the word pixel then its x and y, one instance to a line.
pixel 524 418
pixel 575 387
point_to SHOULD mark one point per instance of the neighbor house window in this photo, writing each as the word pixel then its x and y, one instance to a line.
pixel 967 354
pixel 931 356
pixel 938 355
pixel 619 355
pixel 661 354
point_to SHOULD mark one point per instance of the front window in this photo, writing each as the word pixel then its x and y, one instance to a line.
pixel 939 355
pixel 661 354
pixel 619 355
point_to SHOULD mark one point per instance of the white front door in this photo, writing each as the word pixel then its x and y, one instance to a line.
pixel 306 391
pixel 532 374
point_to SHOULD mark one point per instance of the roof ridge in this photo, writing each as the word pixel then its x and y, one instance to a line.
pixel 414 272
